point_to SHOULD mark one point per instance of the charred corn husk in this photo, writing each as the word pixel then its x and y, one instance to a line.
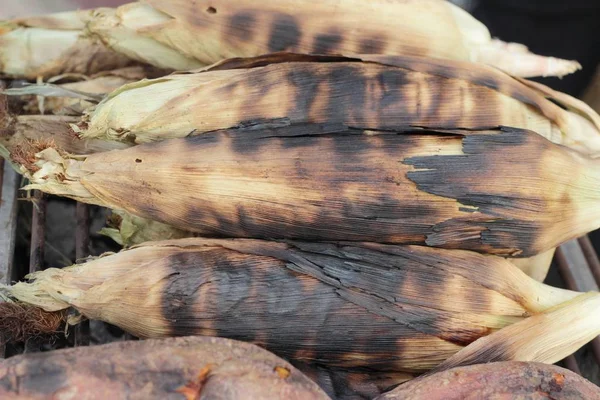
pixel 182 35
pixel 175 368
pixel 506 380
pixel 51 45
pixel 370 93
pixel 401 308
pixel 508 192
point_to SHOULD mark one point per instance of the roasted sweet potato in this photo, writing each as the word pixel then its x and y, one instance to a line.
pixel 502 380
pixel 183 368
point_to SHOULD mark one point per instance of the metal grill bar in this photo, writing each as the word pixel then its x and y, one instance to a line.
pixel 591 257
pixel 574 269
pixel 38 232
pixel 82 250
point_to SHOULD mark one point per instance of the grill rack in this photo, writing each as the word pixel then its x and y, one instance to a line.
pixel 576 263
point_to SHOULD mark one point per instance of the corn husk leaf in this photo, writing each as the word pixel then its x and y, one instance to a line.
pixel 558 331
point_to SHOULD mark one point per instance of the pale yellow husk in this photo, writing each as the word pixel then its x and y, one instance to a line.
pixel 547 337
pixel 181 35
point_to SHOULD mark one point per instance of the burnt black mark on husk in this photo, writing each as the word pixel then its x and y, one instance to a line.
pixel 376 281
pixel 391 82
pixel 242 26
pixel 285 33
pixel 327 43
pixel 306 85
pixel 450 176
pixel 346 82
pixel 372 45
pixel 255 298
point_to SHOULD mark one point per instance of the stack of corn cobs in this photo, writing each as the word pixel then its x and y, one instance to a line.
pixel 370 190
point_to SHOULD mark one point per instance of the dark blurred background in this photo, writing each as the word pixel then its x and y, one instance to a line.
pixel 568 29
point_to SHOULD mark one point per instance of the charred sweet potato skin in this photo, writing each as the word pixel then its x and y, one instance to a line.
pixel 179 369
pixel 501 380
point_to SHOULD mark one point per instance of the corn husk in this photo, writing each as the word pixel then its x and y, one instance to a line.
pixel 400 308
pixel 183 35
pixel 482 191
pixel 368 93
pixel 178 368
pixel 51 45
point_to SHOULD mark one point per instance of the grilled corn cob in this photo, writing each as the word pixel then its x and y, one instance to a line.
pixel 377 93
pixel 508 192
pixel 400 308
pixel 177 368
pixel 51 45
pixel 183 35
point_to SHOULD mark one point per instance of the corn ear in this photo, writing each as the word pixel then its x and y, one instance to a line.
pixel 51 45
pixel 425 304
pixel 369 93
pixel 481 191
